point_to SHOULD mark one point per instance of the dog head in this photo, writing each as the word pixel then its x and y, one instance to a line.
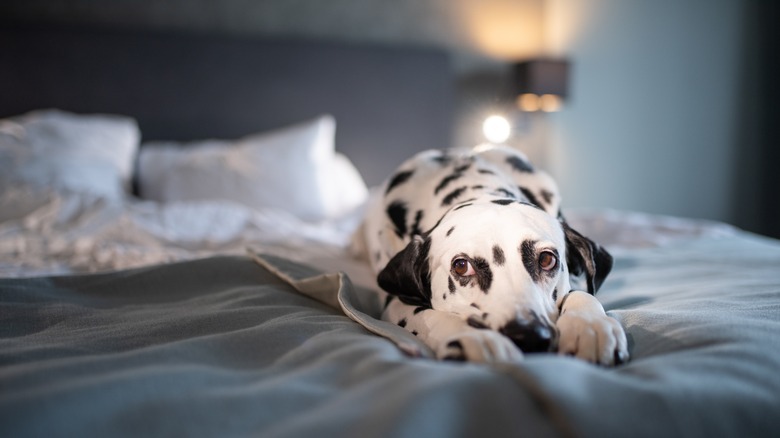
pixel 498 264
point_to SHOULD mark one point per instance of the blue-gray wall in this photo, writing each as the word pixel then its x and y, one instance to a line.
pixel 665 113
pixel 654 122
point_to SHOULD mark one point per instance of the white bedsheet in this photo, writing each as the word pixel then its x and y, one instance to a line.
pixel 49 232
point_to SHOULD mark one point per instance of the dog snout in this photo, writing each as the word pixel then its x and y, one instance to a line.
pixel 531 337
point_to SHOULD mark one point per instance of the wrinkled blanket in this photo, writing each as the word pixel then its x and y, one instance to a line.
pixel 228 346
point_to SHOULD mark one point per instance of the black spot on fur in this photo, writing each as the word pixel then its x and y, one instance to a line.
pixel 414 332
pixel 555 293
pixel 477 187
pixel 416 225
pixel 450 285
pixel 484 274
pixel 402 322
pixel 444 296
pixel 476 306
pixel 436 225
pixel 446 181
pixel 398 179
pixel 531 262
pixel 452 196
pixel 502 201
pixel 462 206
pixel 547 196
pixel 458 355
pixel 530 196
pixel 519 164
pixel 450 230
pixel 457 173
pixel 486 171
pixel 455 344
pixel 528 253
pixel 474 322
pixel 464 167
pixel 505 192
pixel 561 310
pixel 397 213
pixel 443 159
pixel 530 205
pixel 498 256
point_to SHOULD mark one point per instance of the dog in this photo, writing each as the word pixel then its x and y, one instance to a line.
pixel 476 260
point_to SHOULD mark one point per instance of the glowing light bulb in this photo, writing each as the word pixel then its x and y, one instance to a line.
pixel 529 102
pixel 496 129
pixel 550 103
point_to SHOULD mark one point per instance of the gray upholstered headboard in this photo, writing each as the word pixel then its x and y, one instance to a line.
pixel 388 102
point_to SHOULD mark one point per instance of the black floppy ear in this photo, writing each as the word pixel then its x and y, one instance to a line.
pixel 585 256
pixel 407 274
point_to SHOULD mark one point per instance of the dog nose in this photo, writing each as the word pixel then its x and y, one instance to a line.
pixel 530 337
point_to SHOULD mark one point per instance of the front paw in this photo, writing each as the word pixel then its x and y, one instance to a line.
pixel 478 345
pixel 594 337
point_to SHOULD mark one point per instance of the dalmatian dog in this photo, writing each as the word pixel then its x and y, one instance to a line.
pixel 477 261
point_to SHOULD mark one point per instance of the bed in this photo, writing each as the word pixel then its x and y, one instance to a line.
pixel 155 284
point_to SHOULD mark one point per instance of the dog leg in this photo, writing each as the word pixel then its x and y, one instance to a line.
pixel 450 337
pixel 587 332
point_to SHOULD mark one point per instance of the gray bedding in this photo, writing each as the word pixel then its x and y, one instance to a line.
pixel 225 346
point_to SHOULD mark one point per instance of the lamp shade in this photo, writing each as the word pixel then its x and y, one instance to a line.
pixel 541 76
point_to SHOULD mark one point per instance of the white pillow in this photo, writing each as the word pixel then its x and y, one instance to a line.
pixel 294 168
pixel 56 149
pixel 349 191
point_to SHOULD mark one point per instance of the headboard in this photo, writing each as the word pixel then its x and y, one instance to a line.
pixel 389 102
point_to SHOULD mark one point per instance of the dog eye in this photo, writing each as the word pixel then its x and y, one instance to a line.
pixel 462 267
pixel 548 261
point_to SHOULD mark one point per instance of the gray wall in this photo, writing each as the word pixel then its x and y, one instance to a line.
pixel 654 121
pixel 657 121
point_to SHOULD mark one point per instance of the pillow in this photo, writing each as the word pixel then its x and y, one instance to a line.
pixel 294 168
pixel 349 191
pixel 61 150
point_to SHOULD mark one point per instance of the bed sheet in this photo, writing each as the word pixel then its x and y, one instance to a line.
pixel 225 346
pixel 59 232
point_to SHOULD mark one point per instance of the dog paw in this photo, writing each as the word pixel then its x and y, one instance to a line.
pixel 484 346
pixel 594 337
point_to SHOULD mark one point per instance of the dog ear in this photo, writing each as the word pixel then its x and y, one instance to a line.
pixel 585 256
pixel 407 274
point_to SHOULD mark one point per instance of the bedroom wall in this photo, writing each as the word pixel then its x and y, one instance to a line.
pixel 658 99
pixel 658 119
